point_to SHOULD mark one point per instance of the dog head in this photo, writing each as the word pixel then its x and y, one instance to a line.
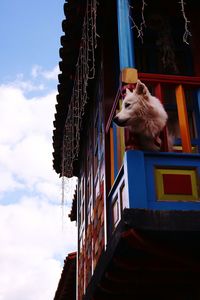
pixel 130 104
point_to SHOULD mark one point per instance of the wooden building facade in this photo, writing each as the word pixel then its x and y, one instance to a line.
pixel 137 212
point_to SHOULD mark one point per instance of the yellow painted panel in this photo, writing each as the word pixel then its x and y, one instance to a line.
pixel 121 136
pixel 112 157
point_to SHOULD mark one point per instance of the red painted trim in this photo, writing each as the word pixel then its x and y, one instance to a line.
pixel 169 79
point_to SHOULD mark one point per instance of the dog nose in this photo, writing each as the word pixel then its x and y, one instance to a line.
pixel 116 119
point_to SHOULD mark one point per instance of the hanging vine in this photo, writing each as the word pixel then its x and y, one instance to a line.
pixel 187 33
pixel 140 28
pixel 85 71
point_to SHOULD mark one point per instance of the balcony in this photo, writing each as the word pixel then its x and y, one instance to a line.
pixel 165 180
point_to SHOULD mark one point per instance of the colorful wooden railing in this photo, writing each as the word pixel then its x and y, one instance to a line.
pixel 119 139
pixel 180 83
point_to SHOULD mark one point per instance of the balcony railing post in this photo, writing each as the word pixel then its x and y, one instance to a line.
pixel 159 95
pixel 183 119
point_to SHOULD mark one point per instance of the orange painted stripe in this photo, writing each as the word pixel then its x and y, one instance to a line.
pixel 118 148
pixel 112 176
pixel 122 143
pixel 183 119
pixel 121 140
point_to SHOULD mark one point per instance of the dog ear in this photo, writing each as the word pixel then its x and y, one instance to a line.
pixel 141 88
pixel 128 92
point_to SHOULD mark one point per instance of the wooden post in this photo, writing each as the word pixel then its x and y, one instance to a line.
pixel 125 35
pixel 183 119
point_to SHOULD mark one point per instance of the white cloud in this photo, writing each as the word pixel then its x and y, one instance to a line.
pixel 32 240
pixel 8 182
pixel 52 74
pixel 38 71
pixel 38 81
pixel 25 141
pixel 26 85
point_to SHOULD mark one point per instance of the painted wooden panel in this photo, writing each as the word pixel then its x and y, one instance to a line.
pixel 176 184
pixel 149 189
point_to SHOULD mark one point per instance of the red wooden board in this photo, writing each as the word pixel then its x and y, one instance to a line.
pixel 179 184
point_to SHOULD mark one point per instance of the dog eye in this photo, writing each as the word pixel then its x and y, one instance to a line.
pixel 127 105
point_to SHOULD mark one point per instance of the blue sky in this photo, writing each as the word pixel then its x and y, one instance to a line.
pixel 34 239
pixel 30 34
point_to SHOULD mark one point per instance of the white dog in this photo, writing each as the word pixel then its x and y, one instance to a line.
pixel 144 115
